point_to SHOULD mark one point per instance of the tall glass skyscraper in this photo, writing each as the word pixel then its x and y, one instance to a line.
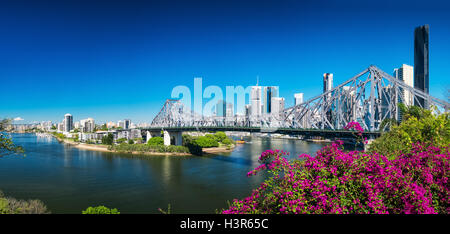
pixel 221 108
pixel 421 62
pixel 269 93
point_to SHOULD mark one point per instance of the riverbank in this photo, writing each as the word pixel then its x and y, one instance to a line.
pixel 104 148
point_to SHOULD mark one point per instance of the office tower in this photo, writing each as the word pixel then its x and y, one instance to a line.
pixel 268 93
pixel 385 101
pixel 421 62
pixel 229 111
pixel 277 106
pixel 327 86
pixel 127 123
pixel 255 101
pixel 248 110
pixel 348 103
pixel 298 98
pixel 327 82
pixel 221 107
pixel 68 122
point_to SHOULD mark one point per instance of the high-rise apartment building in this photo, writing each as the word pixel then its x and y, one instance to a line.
pixel 87 125
pixel 110 124
pixel 298 98
pixel 421 62
pixel 127 124
pixel 406 74
pixel 121 124
pixel 68 122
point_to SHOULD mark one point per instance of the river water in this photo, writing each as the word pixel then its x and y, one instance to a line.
pixel 68 180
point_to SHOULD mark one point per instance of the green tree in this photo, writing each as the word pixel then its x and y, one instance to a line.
pixel 100 210
pixel 156 141
pixel 418 125
pixel 220 136
pixel 130 141
pixel 7 146
pixel 108 139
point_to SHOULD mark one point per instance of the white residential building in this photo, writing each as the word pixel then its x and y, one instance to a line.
pixel 406 74
pixel 298 98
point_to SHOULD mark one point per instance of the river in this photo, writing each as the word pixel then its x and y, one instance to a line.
pixel 68 179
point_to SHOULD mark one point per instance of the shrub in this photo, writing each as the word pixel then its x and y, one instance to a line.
pixel 418 126
pixel 130 141
pixel 220 136
pixel 206 141
pixel 121 140
pixel 100 210
pixel 194 148
pixel 156 141
pixel 145 148
pixel 14 206
pixel 227 141
pixel 352 182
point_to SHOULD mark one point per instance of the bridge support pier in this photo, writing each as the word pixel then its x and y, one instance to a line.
pixel 175 135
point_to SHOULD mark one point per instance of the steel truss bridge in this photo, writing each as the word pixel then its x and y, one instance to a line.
pixel 368 98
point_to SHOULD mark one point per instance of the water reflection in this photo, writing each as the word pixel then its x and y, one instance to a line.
pixel 69 179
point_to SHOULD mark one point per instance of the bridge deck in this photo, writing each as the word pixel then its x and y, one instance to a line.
pixel 287 131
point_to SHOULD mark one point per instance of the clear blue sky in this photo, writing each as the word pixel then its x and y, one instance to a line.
pixel 112 60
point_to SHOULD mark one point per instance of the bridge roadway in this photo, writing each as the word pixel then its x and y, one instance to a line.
pixel 326 133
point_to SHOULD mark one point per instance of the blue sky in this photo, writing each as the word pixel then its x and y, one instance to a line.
pixel 112 60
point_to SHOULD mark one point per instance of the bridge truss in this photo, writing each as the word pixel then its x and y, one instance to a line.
pixel 368 98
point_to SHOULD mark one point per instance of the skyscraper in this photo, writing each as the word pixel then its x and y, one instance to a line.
pixel 255 101
pixel 277 106
pixel 406 74
pixel 229 112
pixel 327 86
pixel 121 124
pixel 221 108
pixel 268 94
pixel 68 122
pixel 298 98
pixel 421 62
pixel 327 82
pixel 127 124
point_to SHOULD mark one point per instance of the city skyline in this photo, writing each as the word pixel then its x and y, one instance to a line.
pixel 109 76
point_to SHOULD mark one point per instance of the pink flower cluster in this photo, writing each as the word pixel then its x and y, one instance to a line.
pixel 355 126
pixel 351 182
